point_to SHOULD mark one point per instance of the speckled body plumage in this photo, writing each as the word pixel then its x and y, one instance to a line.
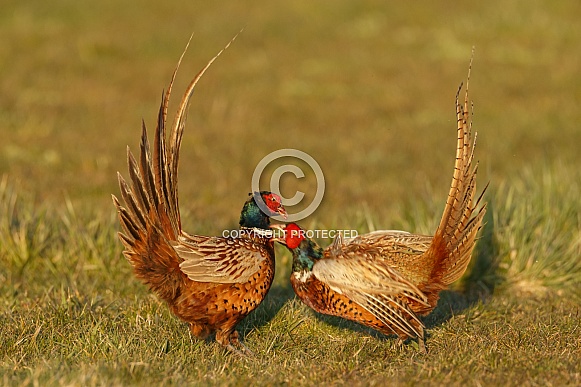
pixel 328 301
pixel 210 307
pixel 212 283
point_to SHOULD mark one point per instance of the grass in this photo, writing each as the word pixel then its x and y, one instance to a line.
pixel 364 88
pixel 514 322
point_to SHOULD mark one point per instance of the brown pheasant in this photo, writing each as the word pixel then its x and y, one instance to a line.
pixel 385 279
pixel 211 283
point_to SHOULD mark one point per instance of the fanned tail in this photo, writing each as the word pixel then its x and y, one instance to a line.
pixel 455 237
pixel 150 216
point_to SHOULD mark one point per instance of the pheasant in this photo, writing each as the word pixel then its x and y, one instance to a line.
pixel 211 283
pixel 385 279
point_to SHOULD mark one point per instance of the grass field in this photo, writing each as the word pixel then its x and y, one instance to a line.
pixel 365 88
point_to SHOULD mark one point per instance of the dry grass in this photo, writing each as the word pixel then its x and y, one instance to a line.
pixel 70 316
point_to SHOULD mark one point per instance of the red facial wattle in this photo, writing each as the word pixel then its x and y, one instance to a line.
pixel 293 235
pixel 274 204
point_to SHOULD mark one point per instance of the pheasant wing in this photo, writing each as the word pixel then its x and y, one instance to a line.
pixel 219 260
pixel 352 273
pixel 390 243
pixel 399 250
pixel 378 288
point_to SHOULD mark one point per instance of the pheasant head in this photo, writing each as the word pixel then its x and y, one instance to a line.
pixel 253 217
pixel 305 251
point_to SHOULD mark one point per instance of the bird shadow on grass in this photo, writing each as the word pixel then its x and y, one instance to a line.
pixel 277 297
pixel 477 285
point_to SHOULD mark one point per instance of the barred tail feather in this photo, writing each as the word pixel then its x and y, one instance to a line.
pixel 454 267
pixel 149 215
pixel 456 235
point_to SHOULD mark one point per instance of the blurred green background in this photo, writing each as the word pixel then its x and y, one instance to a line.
pixel 366 88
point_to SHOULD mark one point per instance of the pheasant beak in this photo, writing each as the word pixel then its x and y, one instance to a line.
pixel 279 233
pixel 282 212
pixel 280 227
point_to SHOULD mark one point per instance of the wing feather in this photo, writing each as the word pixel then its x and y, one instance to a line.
pixel 365 276
pixel 391 311
pixel 218 260
pixel 378 288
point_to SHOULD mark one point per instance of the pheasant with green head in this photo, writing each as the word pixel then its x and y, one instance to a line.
pixel 385 279
pixel 211 283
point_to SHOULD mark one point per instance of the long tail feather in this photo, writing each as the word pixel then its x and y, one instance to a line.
pixel 149 215
pixel 176 139
pixel 456 235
